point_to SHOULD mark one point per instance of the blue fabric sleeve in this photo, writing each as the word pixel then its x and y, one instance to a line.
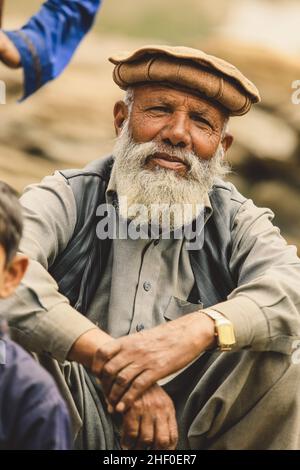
pixel 49 39
pixel 32 413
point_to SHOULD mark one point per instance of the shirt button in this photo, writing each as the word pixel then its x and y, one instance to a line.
pixel 147 286
pixel 139 327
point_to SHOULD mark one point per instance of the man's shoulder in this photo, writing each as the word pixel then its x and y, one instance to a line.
pixel 225 198
pixel 227 190
pixel 88 185
pixel 98 169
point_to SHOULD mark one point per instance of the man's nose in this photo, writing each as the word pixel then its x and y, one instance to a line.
pixel 177 131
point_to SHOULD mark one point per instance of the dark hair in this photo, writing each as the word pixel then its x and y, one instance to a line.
pixel 11 224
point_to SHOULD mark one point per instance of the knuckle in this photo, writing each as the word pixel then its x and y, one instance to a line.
pixel 164 442
pixel 103 353
pixel 139 383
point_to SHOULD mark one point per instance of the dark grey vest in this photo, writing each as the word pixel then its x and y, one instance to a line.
pixel 78 269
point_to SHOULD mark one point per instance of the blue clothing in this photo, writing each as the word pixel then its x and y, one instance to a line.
pixel 32 413
pixel 49 39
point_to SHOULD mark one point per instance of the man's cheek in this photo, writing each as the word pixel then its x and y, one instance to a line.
pixel 143 133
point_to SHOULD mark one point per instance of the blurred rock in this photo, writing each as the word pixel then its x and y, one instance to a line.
pixel 273 72
pixel 283 199
pixel 238 154
pixel 265 135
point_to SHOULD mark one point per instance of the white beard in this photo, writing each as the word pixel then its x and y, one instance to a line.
pixel 168 198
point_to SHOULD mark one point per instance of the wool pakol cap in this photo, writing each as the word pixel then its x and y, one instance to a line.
pixel 187 68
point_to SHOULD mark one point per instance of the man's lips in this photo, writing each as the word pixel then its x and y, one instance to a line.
pixel 165 160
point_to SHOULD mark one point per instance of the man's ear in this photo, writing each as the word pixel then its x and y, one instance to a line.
pixel 227 141
pixel 13 275
pixel 120 115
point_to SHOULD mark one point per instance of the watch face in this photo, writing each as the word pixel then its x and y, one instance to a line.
pixel 226 335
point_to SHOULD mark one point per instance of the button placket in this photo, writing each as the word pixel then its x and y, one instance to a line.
pixel 145 294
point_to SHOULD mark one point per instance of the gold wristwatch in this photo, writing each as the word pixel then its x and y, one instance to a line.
pixel 223 330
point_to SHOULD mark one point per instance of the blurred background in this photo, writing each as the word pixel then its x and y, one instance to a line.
pixel 69 122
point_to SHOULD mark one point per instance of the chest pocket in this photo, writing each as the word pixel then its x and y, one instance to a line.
pixel 177 308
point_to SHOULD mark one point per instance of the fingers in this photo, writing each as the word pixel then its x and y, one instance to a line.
pixel 103 355
pixel 139 385
pixel 130 431
pixel 114 387
pixel 151 422
pixel 145 438
pixel 173 429
pixel 122 382
pixel 162 438
pixel 115 374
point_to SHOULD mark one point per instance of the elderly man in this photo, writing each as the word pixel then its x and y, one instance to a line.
pixel 159 340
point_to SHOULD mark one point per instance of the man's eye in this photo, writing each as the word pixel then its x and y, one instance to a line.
pixel 200 119
pixel 160 109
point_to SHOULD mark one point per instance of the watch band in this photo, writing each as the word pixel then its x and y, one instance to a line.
pixel 223 330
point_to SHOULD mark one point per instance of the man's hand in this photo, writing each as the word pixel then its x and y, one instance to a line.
pixel 150 423
pixel 9 54
pixel 130 365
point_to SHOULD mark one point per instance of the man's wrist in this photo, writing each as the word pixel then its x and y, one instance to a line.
pixel 85 347
pixel 202 330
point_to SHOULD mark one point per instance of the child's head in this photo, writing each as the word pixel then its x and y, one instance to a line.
pixel 12 266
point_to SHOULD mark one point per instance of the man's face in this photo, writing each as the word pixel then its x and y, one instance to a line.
pixel 11 274
pixel 170 147
pixel 177 119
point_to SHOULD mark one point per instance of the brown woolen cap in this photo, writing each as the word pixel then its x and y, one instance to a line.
pixel 187 68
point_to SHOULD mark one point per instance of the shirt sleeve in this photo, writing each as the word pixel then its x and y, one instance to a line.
pixel 49 39
pixel 41 319
pixel 265 306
